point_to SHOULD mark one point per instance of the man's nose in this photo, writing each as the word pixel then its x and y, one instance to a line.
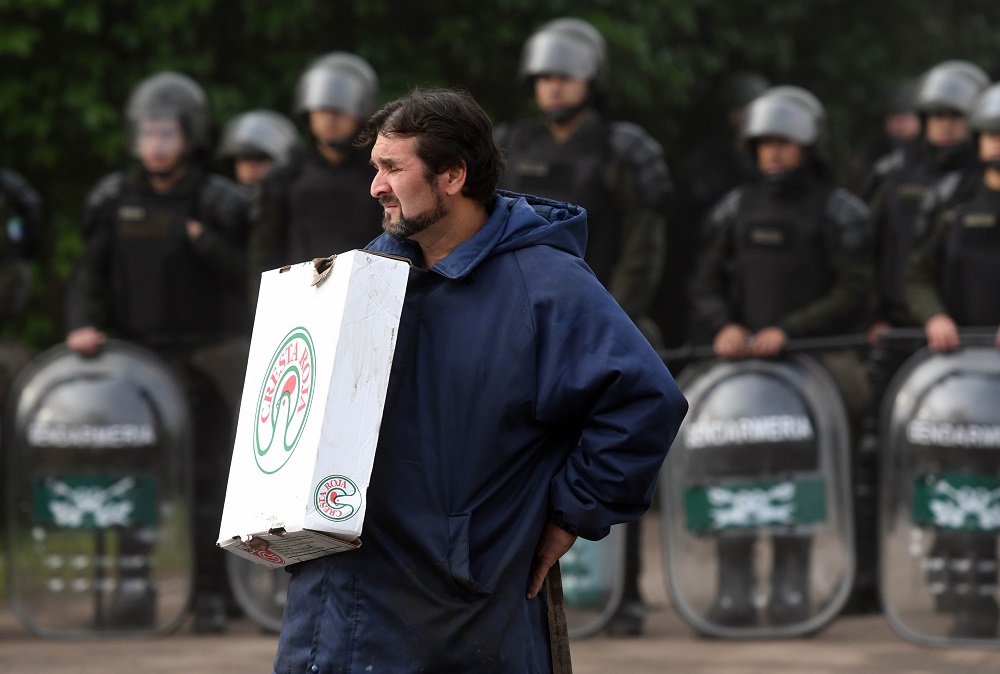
pixel 379 186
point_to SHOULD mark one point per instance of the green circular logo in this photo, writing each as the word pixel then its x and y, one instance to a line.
pixel 337 498
pixel 284 401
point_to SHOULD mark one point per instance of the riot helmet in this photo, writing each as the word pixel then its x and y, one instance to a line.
pixel 951 86
pixel 259 133
pixel 338 81
pixel 985 118
pixel 569 47
pixel 985 114
pixel 169 96
pixel 787 112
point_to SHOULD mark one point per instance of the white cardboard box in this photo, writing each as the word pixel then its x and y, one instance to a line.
pixel 311 409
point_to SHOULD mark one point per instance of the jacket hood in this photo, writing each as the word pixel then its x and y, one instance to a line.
pixel 517 221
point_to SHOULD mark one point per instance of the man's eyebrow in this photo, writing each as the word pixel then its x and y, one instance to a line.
pixel 385 161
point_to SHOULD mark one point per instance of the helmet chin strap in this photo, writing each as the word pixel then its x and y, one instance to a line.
pixel 342 145
pixel 564 115
pixel 949 155
pixel 177 169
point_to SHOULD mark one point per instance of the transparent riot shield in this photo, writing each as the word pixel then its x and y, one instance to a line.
pixel 98 525
pixel 261 592
pixel 593 578
pixel 940 507
pixel 755 494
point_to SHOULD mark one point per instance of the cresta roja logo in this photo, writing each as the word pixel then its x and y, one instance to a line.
pixel 284 401
pixel 337 498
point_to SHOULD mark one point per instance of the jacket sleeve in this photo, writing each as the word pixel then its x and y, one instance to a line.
pixel 28 205
pixel 875 193
pixel 709 290
pixel 641 185
pixel 849 251
pixel 224 212
pixel 268 247
pixel 599 380
pixel 88 291
pixel 923 266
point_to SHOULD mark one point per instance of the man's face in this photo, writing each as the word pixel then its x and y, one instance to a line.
pixel 946 128
pixel 556 92
pixel 411 197
pixel 989 147
pixel 333 126
pixel 251 170
pixel 778 155
pixel 161 144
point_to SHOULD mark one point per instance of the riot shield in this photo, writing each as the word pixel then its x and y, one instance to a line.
pixel 260 591
pixel 593 578
pixel 98 524
pixel 755 493
pixel 940 506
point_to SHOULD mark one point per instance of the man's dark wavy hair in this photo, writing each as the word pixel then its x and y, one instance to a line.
pixel 451 130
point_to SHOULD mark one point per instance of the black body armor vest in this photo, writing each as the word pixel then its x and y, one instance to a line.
pixel 781 250
pixel 904 194
pixel 162 287
pixel 330 209
pixel 970 278
pixel 574 172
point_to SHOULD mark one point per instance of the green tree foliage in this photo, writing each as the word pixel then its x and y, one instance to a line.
pixel 67 67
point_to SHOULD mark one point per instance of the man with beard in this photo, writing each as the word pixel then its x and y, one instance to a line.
pixel 316 204
pixel 524 409
pixel 616 171
pixel 164 266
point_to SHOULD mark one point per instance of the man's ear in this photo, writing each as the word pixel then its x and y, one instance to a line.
pixel 454 179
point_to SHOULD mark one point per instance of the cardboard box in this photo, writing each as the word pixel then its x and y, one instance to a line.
pixel 311 409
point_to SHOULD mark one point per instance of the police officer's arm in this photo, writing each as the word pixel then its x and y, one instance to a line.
pixel 268 247
pixel 223 214
pixel 26 235
pixel 848 245
pixel 640 182
pixel 710 288
pixel 875 193
pixel 269 222
pixel 88 289
pixel 922 276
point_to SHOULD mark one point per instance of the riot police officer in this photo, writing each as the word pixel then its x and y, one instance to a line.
pixel 613 169
pixel 256 142
pixel 318 204
pixel 944 96
pixel 21 232
pixel 899 182
pixel 787 257
pixel 164 265
pixel 951 281
pixel 900 125
pixel 954 271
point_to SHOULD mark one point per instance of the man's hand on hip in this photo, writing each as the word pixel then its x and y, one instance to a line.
pixel 553 544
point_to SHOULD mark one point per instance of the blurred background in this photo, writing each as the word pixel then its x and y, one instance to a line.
pixel 66 67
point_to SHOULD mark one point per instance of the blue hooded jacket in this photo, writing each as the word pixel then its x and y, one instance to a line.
pixel 520 391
